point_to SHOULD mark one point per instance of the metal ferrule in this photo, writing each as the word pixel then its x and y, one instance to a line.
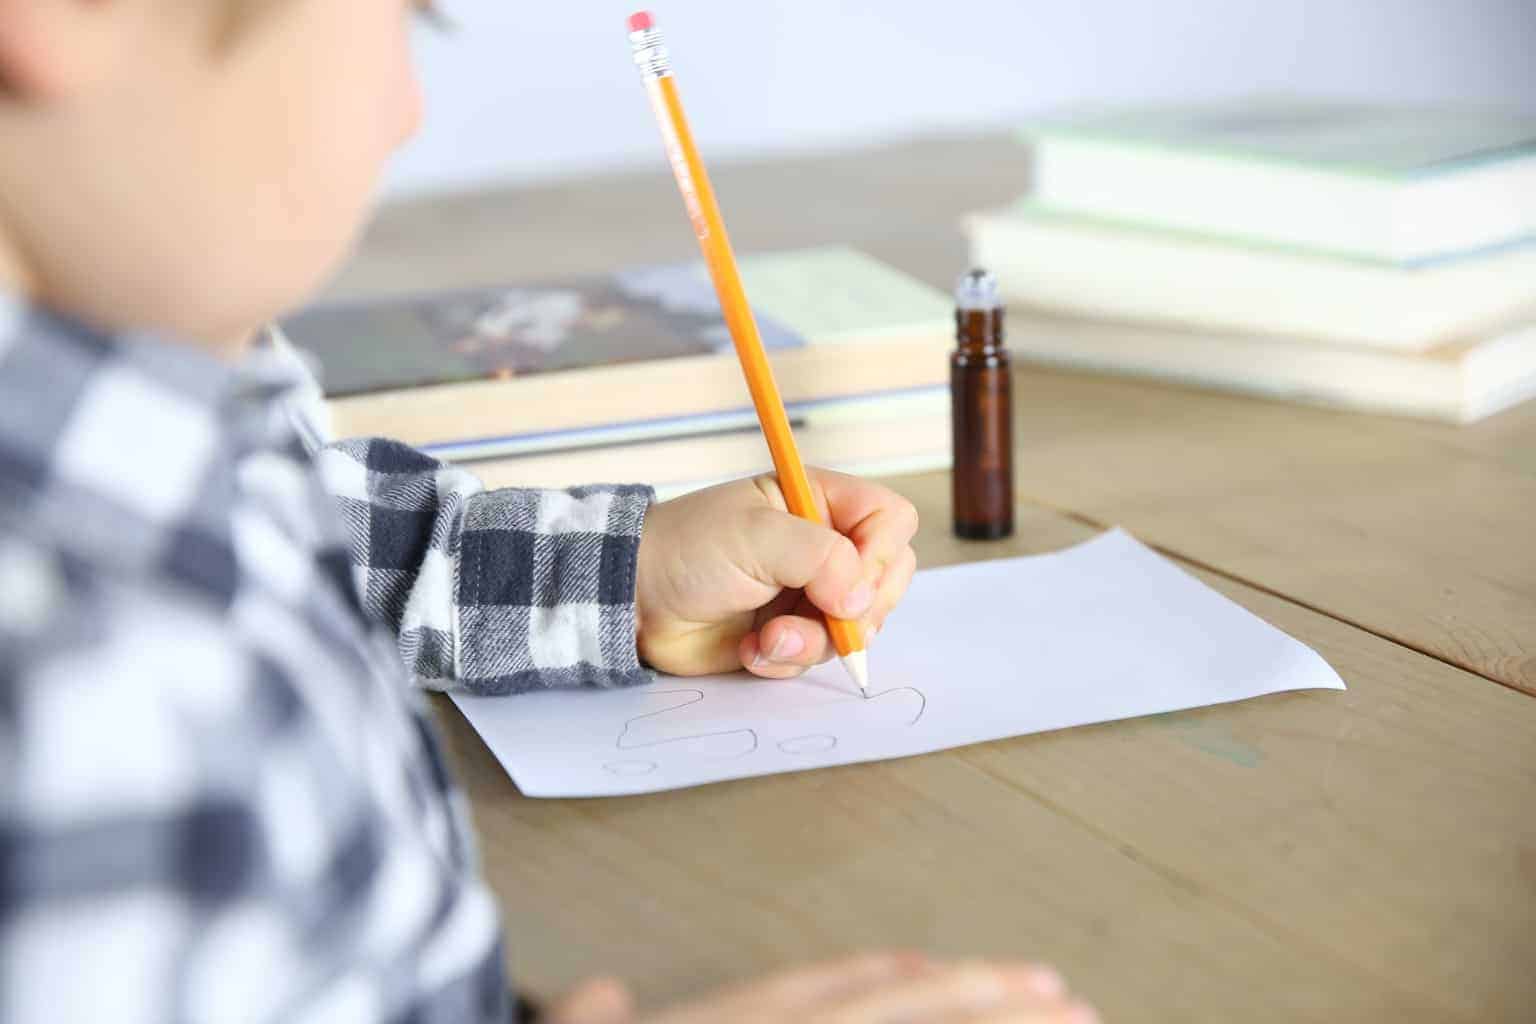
pixel 650 54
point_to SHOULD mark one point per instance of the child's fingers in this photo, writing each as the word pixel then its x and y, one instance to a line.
pixel 893 587
pixel 1037 995
pixel 597 1001
pixel 952 993
pixel 879 521
pixel 786 646
pixel 1034 1011
pixel 786 551
pixel 804 987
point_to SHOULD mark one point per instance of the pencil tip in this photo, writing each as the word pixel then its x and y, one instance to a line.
pixel 857 664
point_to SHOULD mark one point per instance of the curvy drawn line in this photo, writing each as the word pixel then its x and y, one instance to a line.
pixel 809 744
pixel 628 769
pixel 921 696
pixel 692 736
pixel 822 742
pixel 698 695
pixel 788 746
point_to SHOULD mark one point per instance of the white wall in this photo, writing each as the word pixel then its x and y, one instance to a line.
pixel 529 89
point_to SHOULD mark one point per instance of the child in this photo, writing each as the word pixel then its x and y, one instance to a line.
pixel 218 800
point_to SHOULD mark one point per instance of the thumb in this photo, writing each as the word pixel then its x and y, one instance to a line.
pixel 598 1001
pixel 785 551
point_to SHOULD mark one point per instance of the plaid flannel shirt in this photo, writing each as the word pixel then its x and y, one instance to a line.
pixel 219 798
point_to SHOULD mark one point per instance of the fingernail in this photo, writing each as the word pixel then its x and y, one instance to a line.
pixel 1082 1013
pixel 858 601
pixel 787 646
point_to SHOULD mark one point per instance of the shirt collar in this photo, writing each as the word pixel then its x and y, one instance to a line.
pixel 116 443
pixel 34 338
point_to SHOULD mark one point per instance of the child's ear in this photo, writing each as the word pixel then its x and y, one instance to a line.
pixel 53 49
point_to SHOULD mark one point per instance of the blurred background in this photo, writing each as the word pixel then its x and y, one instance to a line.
pixel 526 92
pixel 1325 202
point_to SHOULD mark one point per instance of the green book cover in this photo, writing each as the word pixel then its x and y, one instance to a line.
pixel 1362 138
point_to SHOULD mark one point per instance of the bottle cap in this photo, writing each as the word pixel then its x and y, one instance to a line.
pixel 977 290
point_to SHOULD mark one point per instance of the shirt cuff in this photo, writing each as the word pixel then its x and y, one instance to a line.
pixel 544 594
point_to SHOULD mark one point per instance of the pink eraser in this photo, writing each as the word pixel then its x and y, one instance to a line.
pixel 641 21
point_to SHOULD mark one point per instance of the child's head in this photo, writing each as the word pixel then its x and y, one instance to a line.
pixel 196 166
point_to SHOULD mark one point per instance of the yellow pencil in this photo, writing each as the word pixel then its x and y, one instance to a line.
pixel 704 212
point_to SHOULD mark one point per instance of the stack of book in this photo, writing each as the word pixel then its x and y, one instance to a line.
pixel 1375 258
pixel 632 377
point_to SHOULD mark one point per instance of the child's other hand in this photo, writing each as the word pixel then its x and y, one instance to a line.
pixel 728 578
pixel 873 988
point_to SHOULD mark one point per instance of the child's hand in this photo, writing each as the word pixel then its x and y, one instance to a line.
pixel 874 988
pixel 728 578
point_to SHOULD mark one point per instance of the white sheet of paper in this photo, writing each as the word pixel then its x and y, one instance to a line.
pixel 977 652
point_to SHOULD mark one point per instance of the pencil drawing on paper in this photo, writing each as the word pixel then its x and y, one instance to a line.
pixel 666 731
pixel 722 743
pixel 815 743
pixel 629 768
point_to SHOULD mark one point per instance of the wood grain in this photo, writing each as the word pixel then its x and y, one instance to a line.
pixel 1413 531
pixel 1361 856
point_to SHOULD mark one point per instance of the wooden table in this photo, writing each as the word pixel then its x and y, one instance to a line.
pixel 1362 856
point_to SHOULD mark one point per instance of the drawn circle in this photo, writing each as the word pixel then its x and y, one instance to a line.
pixel 816 743
pixel 628 768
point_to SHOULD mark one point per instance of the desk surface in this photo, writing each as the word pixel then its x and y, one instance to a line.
pixel 1361 856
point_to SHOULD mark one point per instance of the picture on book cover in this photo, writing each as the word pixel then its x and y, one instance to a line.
pixel 640 314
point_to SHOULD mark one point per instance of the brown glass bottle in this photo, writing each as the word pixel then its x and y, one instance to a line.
pixel 981 394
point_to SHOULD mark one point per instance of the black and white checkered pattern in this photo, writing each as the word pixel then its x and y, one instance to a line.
pixel 219 799
pixel 499 591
